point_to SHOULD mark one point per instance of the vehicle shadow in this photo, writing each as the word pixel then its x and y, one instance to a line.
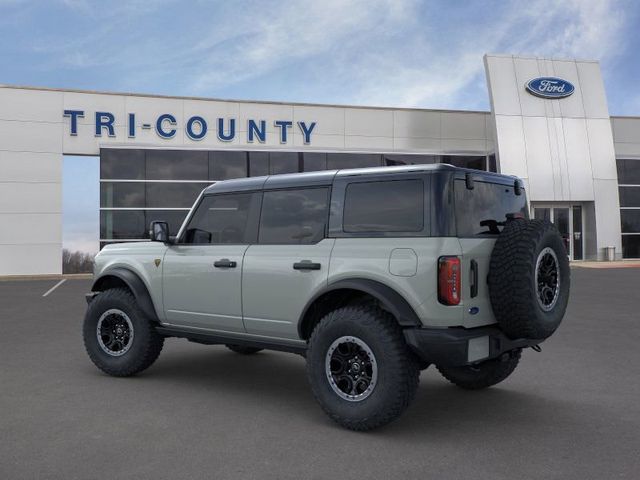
pixel 278 381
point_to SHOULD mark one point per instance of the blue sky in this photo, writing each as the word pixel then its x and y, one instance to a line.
pixel 370 52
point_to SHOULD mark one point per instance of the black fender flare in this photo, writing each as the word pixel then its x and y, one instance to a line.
pixel 387 296
pixel 135 284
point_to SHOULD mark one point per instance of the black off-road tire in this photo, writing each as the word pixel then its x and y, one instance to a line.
pixel 513 290
pixel 397 368
pixel 243 349
pixel 146 344
pixel 484 374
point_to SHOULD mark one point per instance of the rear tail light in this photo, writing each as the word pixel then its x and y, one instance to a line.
pixel 449 280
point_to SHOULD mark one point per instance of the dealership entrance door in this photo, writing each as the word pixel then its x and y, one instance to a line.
pixel 568 220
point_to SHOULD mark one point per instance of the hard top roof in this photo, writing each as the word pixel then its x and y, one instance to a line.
pixel 326 177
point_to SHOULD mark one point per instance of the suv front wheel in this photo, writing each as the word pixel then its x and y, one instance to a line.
pixel 359 367
pixel 118 337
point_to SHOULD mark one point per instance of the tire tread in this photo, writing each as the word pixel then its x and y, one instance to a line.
pixel 406 366
pixel 151 348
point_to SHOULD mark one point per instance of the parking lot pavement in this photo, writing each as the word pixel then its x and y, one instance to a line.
pixel 571 411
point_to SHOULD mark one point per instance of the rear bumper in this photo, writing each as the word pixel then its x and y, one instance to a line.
pixel 454 347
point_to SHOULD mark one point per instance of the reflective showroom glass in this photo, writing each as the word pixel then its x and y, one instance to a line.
pixel 122 164
pixel 224 165
pixel 283 162
pixel 258 164
pixel 177 165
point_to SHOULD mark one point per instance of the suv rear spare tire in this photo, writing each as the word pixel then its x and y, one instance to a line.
pixel 529 278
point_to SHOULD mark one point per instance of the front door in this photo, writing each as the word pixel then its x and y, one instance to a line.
pixel 202 274
pixel 289 263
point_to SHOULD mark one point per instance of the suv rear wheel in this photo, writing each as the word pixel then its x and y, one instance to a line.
pixel 118 337
pixel 359 367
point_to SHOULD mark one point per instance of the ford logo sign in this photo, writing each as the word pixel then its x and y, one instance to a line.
pixel 550 87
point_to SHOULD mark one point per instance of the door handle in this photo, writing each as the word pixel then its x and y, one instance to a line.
pixel 474 279
pixel 306 265
pixel 224 263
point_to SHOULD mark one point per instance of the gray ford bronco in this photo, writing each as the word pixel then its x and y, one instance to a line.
pixel 371 274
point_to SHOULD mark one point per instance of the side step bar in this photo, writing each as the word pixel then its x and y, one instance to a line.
pixel 210 338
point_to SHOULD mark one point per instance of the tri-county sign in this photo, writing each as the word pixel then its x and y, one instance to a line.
pixel 550 87
pixel 196 127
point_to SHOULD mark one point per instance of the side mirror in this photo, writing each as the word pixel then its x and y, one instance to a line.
pixel 517 187
pixel 159 231
pixel 468 180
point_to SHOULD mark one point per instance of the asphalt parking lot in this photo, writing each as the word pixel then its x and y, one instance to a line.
pixel 572 411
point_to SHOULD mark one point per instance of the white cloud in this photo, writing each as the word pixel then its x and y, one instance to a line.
pixel 583 29
pixel 375 52
pixel 382 53
pixel 274 37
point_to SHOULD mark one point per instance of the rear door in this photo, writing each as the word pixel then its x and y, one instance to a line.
pixel 289 263
pixel 480 216
pixel 202 273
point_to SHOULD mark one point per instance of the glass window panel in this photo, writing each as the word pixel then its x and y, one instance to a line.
pixel 314 161
pixel 120 194
pixel 542 214
pixel 493 164
pixel 337 161
pixel 628 171
pixel 122 164
pixel 630 221
pixel 631 246
pixel 224 219
pixel 629 196
pixel 258 164
pixel 227 164
pixel 481 211
pixel 392 206
pixel 561 221
pixel 173 195
pixel 173 217
pixel 391 160
pixel 294 216
pixel 475 162
pixel 122 224
pixel 577 232
pixel 283 162
pixel 177 165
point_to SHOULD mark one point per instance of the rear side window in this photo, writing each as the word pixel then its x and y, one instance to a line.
pixel 484 210
pixel 388 206
pixel 228 218
pixel 294 216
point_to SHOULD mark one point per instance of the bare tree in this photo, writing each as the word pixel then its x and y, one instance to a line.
pixel 77 262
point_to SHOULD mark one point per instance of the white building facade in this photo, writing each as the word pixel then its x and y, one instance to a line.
pixel 549 124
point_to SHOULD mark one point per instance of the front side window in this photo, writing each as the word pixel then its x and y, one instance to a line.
pixel 294 216
pixel 224 219
pixel 388 206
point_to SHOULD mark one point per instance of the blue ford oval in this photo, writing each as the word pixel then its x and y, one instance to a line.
pixel 550 87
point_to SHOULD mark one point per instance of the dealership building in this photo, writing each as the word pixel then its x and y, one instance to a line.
pixel 549 124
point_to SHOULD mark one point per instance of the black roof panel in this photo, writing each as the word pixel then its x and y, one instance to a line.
pixel 326 177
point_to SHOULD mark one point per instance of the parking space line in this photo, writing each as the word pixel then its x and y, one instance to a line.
pixel 54 287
